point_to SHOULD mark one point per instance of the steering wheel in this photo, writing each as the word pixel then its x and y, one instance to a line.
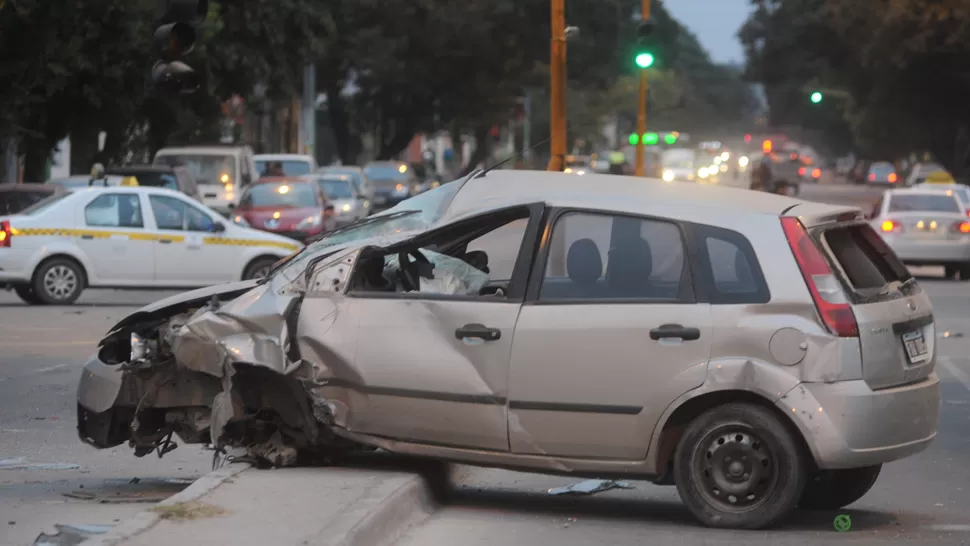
pixel 408 270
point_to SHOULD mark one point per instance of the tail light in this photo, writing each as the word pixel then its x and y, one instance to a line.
pixel 872 177
pixel 892 178
pixel 888 226
pixel 817 173
pixel 968 213
pixel 801 171
pixel 959 227
pixel 6 234
pixel 835 311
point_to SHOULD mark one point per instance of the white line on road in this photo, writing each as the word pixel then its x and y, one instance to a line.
pixel 955 371
pixel 53 368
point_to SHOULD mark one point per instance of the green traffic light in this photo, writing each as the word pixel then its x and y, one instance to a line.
pixel 670 139
pixel 644 60
pixel 816 97
pixel 651 138
pixel 633 139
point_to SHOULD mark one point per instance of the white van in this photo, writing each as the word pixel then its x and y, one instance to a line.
pixel 220 171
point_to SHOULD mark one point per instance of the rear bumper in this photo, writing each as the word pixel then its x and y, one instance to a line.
pixel 930 252
pixel 848 425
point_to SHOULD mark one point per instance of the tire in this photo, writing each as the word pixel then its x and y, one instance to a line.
pixel 833 489
pixel 58 281
pixel 742 449
pixel 258 268
pixel 26 293
pixel 963 272
pixel 951 272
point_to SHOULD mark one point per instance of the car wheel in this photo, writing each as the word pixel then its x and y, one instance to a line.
pixel 964 272
pixel 26 293
pixel 58 282
pixel 258 268
pixel 738 466
pixel 951 272
pixel 833 489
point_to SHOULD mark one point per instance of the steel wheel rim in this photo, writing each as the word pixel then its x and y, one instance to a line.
pixel 735 470
pixel 60 282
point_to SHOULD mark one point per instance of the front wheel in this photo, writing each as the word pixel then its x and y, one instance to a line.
pixel 833 489
pixel 738 466
pixel 259 268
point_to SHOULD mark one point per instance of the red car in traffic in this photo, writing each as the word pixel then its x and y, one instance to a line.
pixel 290 206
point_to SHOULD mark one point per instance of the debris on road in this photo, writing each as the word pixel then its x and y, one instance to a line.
pixel 949 334
pixel 589 487
pixel 184 511
pixel 136 490
pixel 69 535
pixel 20 463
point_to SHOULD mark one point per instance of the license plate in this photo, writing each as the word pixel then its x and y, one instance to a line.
pixel 915 346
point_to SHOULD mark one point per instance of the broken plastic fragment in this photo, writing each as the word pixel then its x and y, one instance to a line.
pixel 69 535
pixel 589 487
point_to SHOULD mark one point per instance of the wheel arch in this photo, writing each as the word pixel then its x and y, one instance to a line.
pixel 85 275
pixel 681 414
pixel 261 255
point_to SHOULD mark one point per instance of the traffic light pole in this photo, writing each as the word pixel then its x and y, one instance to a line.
pixel 642 102
pixel 557 91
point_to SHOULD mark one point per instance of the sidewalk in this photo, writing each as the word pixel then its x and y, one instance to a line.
pixel 371 503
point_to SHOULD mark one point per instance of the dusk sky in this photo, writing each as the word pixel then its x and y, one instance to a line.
pixel 715 23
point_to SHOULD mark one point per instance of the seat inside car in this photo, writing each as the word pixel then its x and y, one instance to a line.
pixel 584 266
pixel 629 268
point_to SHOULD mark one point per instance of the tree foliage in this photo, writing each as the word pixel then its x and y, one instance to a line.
pixel 895 72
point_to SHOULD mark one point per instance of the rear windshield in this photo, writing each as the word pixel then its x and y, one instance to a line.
pixel 881 168
pixel 282 194
pixel 867 261
pixel 43 204
pixel 386 172
pixel 207 169
pixel 923 203
pixel 337 189
pixel 282 168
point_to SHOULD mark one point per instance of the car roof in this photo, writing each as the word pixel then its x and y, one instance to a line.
pixel 301 179
pixel 273 157
pixel 134 169
pixel 645 196
pixel 384 163
pixel 921 190
pixel 151 190
pixel 200 150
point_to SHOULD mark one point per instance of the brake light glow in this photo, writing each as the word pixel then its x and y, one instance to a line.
pixel 817 173
pixel 888 226
pixel 872 177
pixel 892 178
pixel 962 227
pixel 801 171
pixel 830 301
pixel 6 234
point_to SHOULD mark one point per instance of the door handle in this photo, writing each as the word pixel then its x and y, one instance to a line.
pixel 668 331
pixel 479 331
pixel 165 241
pixel 87 236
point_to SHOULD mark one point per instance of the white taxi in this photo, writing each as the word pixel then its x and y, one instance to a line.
pixel 127 237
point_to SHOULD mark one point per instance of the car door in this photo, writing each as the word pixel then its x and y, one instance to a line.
pixel 432 365
pixel 608 337
pixel 113 237
pixel 181 256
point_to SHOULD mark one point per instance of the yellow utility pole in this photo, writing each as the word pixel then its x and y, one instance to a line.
pixel 557 94
pixel 642 103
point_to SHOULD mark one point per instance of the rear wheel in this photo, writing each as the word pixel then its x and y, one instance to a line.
pixel 738 466
pixel 950 271
pixel 964 272
pixel 59 281
pixel 833 489
pixel 26 293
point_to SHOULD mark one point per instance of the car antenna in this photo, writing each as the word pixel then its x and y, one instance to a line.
pixel 523 152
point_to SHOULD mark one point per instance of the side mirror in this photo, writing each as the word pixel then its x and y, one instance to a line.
pixel 218 227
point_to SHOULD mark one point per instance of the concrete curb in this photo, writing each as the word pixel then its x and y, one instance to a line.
pixel 384 513
pixel 145 520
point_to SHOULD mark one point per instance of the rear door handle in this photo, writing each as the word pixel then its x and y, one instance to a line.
pixel 165 241
pixel 479 331
pixel 668 331
pixel 87 236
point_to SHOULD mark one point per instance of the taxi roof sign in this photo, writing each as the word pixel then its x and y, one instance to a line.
pixel 129 181
pixel 939 177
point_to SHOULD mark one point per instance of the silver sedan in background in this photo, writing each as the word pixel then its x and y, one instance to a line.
pixel 926 227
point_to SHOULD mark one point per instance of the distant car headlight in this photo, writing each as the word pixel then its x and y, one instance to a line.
pixel 567 170
pixel 312 221
pixel 346 207
pixel 702 172
pixel 668 175
pixel 743 161
pixel 239 220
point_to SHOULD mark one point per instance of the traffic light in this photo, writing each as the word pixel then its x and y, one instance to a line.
pixel 766 146
pixel 174 39
pixel 643 54
pixel 816 97
pixel 747 138
pixel 651 139
pixel 670 139
pixel 634 139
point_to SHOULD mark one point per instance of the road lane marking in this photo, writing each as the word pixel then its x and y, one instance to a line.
pixel 955 371
pixel 54 368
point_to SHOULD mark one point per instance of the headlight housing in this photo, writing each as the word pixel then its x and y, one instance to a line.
pixel 239 220
pixel 312 221
pixel 347 207
pixel 140 348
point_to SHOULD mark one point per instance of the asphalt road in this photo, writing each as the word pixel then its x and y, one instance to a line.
pixel 920 500
pixel 42 350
